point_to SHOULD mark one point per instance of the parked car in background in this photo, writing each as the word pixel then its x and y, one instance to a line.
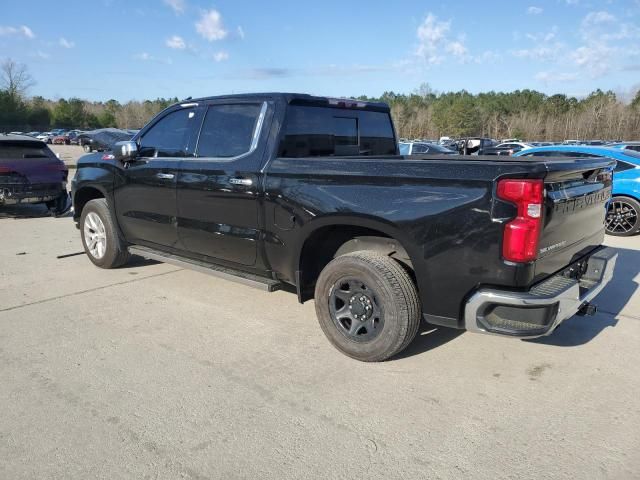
pixel 103 138
pixel 73 136
pixel 423 148
pixel 45 137
pixel 634 146
pixel 60 140
pixel 514 146
pixel 484 146
pixel 623 215
pixel 33 134
pixel 31 173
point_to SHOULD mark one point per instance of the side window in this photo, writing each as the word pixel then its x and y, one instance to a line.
pixel 228 130
pixel 169 137
pixel 635 148
pixel 622 166
pixel 420 148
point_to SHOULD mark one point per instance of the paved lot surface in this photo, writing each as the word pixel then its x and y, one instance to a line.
pixel 69 154
pixel 155 372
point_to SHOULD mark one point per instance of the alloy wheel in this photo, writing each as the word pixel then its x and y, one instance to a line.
pixel 622 217
pixel 95 235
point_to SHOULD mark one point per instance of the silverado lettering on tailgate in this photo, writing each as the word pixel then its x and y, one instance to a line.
pixel 577 203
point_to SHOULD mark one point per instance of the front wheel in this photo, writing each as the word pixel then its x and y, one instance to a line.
pixel 623 217
pixel 87 148
pixel 367 306
pixel 100 238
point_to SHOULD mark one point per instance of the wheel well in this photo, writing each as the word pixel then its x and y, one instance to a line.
pixel 83 196
pixel 330 242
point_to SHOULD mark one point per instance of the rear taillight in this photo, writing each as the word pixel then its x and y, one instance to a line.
pixel 521 235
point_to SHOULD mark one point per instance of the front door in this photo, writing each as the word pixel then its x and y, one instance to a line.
pixel 218 188
pixel 145 192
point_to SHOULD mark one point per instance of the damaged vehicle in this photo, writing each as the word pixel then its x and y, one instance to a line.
pixel 31 173
pixel 103 139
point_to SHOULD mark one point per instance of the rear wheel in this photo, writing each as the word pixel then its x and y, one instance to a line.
pixel 100 239
pixel 623 217
pixel 367 306
pixel 87 148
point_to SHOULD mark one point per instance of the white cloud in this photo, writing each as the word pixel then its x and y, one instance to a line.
pixel 21 31
pixel 536 53
pixel 456 48
pixel 488 56
pixel 594 58
pixel 534 10
pixel 176 42
pixel 178 6
pixel 434 41
pixel 66 43
pixel 554 77
pixel 210 26
pixel 42 55
pixel 147 57
pixel 596 18
pixel 241 32
pixel 221 56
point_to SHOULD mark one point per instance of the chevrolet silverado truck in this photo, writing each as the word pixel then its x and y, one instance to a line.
pixel 309 195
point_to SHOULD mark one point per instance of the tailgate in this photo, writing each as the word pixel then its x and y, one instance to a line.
pixel 577 194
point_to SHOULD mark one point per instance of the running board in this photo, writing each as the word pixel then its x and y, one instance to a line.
pixel 249 279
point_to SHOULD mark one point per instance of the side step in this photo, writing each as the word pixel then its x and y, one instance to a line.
pixel 249 279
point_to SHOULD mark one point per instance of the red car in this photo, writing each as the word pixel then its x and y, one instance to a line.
pixel 31 173
pixel 61 139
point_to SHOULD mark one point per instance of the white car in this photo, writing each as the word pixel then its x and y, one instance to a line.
pixel 423 148
pixel 514 145
pixel 45 137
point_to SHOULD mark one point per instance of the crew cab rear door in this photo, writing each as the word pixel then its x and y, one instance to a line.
pixel 218 188
pixel 577 194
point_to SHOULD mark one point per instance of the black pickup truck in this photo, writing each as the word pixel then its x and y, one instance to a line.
pixel 309 195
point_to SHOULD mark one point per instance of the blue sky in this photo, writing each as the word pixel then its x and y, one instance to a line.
pixel 127 49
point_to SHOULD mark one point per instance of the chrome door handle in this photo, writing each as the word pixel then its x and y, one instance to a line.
pixel 241 181
pixel 165 176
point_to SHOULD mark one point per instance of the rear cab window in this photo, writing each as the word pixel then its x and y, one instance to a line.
pixel 312 131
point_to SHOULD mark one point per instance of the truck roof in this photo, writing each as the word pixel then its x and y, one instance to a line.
pixel 300 98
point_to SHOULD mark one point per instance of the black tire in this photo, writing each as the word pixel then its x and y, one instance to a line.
pixel 116 253
pixel 87 148
pixel 392 292
pixel 623 217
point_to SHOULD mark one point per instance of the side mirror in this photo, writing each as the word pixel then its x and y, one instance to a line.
pixel 125 151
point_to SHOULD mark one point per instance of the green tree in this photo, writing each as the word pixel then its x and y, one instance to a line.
pixel 69 113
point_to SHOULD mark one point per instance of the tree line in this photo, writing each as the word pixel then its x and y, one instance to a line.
pixel 525 114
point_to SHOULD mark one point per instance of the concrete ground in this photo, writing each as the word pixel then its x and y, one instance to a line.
pixel 69 154
pixel 155 372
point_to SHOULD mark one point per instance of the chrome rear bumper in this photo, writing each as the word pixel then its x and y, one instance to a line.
pixel 540 310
